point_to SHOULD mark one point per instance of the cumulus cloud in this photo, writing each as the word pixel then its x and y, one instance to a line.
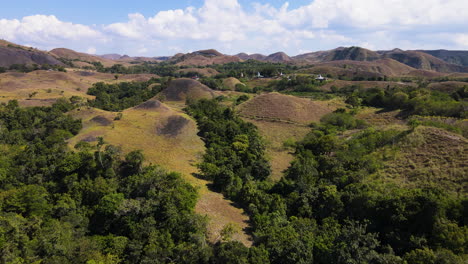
pixel 45 30
pixel 228 26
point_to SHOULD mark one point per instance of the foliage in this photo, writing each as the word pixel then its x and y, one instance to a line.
pixel 418 101
pixel 234 149
pixel 58 206
pixel 120 96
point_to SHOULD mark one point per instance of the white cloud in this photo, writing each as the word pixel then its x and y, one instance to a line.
pixel 461 40
pixel 91 50
pixel 226 25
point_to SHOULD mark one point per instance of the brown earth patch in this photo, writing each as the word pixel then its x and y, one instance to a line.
pixel 173 127
pixel 152 104
pixel 101 120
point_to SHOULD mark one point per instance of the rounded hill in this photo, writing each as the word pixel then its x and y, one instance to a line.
pixel 183 89
pixel 285 108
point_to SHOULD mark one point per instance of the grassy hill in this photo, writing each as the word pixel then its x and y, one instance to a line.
pixel 44 87
pixel 169 138
pixel 429 157
pixel 74 57
pixel 284 108
pixel 182 89
pixel 202 58
pixel 11 53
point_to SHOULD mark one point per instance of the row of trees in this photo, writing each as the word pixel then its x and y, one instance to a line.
pixel 123 95
pixel 418 101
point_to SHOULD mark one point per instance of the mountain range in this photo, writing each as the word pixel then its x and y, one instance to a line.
pixel 443 61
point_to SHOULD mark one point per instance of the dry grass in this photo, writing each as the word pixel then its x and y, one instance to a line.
pixel 448 87
pixel 275 134
pixel 138 129
pixel 200 60
pixel 182 89
pixel 430 157
pixel 380 117
pixel 48 86
pixel 231 83
pixel 285 108
pixel 280 118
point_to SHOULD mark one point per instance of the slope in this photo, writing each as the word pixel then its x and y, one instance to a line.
pixel 72 56
pixel 15 54
pixel 180 90
pixel 169 138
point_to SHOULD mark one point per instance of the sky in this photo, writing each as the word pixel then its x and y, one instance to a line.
pixel 158 28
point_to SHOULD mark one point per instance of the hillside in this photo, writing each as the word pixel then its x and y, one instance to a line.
pixel 430 157
pixel 169 138
pixel 351 53
pixel 284 108
pixel 458 57
pixel 423 61
pixel 202 58
pixel 39 88
pixel 81 57
pixel 15 54
pixel 278 57
pixel 183 89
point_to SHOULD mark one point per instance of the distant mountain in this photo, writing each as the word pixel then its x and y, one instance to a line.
pixel 74 56
pixel 111 56
pixel 423 61
pixel 457 57
pixel 275 57
pixel 351 53
pixel 202 58
pixel 278 57
pixel 354 53
pixel 15 54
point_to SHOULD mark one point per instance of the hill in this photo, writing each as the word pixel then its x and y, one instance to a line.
pixel 457 57
pixel 423 61
pixel 39 88
pixel 351 53
pixel 73 56
pixel 169 138
pixel 284 108
pixel 202 58
pixel 183 89
pixel 275 57
pixel 278 57
pixel 360 70
pixel 15 54
pixel 111 56
pixel 430 157
pixel 231 83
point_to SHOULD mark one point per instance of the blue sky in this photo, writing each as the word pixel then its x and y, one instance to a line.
pixel 151 28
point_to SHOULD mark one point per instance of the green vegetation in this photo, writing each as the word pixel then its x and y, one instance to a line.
pixel 120 96
pixel 252 67
pixel 327 208
pixel 235 152
pixel 90 206
pixel 417 101
pixel 34 67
